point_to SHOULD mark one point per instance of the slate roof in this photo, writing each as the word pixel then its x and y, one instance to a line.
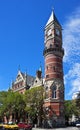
pixel 30 80
pixel 52 18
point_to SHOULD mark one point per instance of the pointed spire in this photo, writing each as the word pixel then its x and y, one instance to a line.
pixel 52 18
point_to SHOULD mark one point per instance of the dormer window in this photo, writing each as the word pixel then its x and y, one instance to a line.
pixel 36 81
pixel 18 77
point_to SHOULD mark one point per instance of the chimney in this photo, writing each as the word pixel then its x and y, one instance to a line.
pixel 38 73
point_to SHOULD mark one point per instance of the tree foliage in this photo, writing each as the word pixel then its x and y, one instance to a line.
pixel 30 103
pixel 11 103
pixel 34 102
pixel 70 109
pixel 78 104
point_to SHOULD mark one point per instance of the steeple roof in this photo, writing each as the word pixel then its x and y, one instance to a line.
pixel 52 18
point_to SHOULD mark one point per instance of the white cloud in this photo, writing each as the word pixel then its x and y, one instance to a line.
pixel 71 37
pixel 75 71
pixel 71 45
pixel 72 79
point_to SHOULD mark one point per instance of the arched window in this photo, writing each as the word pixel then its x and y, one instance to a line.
pixel 54 94
pixel 46 67
pixel 54 68
pixel 45 48
pixel 50 45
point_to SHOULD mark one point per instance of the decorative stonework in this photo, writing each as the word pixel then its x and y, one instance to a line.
pixel 38 80
pixel 22 82
pixel 54 83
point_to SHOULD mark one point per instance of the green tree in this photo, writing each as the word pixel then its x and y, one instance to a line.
pixel 12 103
pixel 77 101
pixel 70 109
pixel 3 95
pixel 34 104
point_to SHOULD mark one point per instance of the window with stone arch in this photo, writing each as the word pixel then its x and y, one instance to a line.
pixel 54 92
pixel 50 45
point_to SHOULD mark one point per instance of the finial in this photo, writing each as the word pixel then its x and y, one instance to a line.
pixel 40 66
pixel 52 8
pixel 25 71
pixel 19 68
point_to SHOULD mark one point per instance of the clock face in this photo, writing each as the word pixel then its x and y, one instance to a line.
pixel 57 32
pixel 49 32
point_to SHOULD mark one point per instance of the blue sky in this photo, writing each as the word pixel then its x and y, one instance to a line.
pixel 22 25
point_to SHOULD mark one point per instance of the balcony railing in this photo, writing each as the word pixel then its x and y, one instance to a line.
pixel 53 50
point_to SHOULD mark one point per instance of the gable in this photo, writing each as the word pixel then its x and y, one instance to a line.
pixel 19 76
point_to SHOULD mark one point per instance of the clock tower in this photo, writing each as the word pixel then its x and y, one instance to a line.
pixel 54 83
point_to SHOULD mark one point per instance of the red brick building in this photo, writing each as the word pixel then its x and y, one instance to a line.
pixel 54 83
pixel 53 80
pixel 22 82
